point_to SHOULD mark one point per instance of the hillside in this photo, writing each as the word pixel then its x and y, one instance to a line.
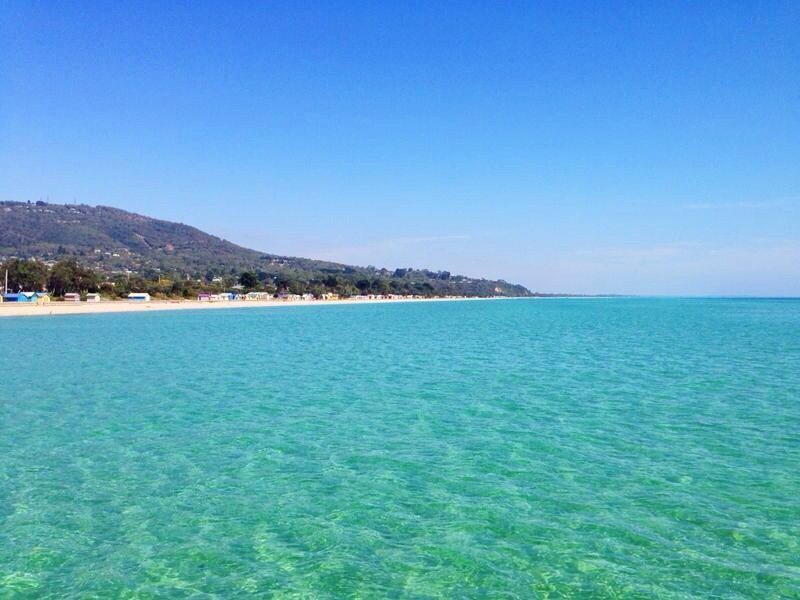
pixel 115 241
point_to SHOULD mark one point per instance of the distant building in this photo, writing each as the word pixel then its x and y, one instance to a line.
pixel 139 297
pixel 72 297
pixel 204 297
pixel 93 297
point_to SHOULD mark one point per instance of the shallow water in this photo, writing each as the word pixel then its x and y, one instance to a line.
pixel 521 448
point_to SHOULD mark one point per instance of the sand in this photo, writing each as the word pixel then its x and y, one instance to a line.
pixel 24 309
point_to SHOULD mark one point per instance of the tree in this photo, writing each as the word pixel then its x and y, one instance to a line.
pixel 283 281
pixel 381 286
pixel 67 275
pixel 27 275
pixel 424 288
pixel 248 280
pixel 332 282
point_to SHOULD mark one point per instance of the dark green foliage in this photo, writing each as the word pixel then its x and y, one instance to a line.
pixel 25 275
pixel 131 252
pixel 248 280
pixel 67 275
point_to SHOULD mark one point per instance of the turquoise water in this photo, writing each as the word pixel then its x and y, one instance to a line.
pixel 500 449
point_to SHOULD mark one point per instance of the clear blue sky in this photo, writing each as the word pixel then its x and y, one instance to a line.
pixel 580 147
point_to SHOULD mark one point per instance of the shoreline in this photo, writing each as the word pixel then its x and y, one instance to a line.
pixel 13 309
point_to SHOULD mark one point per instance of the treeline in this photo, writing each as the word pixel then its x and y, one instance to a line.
pixel 70 275
pixel 63 276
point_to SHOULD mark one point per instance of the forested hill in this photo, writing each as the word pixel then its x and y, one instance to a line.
pixel 114 242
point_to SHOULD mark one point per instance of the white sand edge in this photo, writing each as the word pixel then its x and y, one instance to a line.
pixel 12 309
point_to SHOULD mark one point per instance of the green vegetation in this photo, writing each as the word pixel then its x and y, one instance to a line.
pixel 29 275
pixel 83 248
pixel 69 275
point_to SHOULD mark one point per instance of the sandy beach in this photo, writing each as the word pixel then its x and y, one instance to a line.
pixel 14 309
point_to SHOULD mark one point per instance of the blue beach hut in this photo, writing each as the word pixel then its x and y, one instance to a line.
pixel 21 297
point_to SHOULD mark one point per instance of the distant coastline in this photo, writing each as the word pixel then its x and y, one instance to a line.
pixel 80 248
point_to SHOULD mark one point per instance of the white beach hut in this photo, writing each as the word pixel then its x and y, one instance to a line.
pixel 258 296
pixel 139 297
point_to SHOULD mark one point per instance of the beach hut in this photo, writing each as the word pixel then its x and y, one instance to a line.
pixel 72 297
pixel 204 297
pixel 21 297
pixel 258 296
pixel 93 297
pixel 139 297
pixel 31 297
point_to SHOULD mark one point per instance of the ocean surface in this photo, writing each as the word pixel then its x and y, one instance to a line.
pixel 606 448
